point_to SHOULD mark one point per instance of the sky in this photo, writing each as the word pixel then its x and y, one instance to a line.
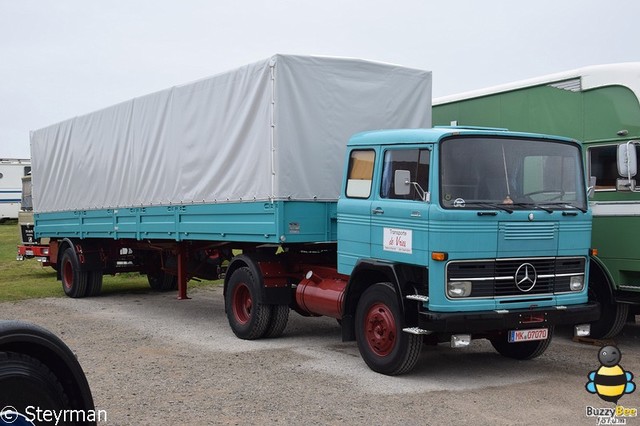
pixel 64 58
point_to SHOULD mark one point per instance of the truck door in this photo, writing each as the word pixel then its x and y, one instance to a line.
pixel 399 210
pixel 354 210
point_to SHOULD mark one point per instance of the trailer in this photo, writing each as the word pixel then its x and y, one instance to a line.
pixel 11 172
pixel 599 105
pixel 254 176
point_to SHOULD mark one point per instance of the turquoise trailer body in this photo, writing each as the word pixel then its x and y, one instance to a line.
pixel 256 222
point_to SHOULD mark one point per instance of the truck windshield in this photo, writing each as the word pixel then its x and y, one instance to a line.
pixel 510 173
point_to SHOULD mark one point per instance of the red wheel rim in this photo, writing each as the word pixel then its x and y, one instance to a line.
pixel 380 329
pixel 67 275
pixel 242 303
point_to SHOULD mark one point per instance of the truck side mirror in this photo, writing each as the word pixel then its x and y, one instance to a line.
pixel 592 186
pixel 402 182
pixel 627 161
pixel 627 166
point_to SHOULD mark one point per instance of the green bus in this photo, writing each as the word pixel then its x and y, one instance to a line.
pixel 600 106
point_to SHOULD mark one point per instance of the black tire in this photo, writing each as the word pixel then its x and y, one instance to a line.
pixel 384 347
pixel 94 283
pixel 248 317
pixel 161 281
pixel 613 315
pixel 74 281
pixel 278 322
pixel 521 350
pixel 25 381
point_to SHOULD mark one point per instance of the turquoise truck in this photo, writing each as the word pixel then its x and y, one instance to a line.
pixel 407 236
pixel 598 105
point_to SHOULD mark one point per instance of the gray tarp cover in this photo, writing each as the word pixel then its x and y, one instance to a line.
pixel 275 129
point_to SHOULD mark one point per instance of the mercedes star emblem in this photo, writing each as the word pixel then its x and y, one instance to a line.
pixel 526 277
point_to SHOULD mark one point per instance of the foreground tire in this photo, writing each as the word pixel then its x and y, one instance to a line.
pixel 74 281
pixel 384 347
pixel 38 369
pixel 25 381
pixel 521 350
pixel 249 319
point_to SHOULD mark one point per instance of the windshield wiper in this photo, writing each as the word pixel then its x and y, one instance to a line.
pixel 565 204
pixel 534 205
pixel 490 205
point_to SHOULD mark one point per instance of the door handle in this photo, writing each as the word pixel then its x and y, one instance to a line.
pixel 377 210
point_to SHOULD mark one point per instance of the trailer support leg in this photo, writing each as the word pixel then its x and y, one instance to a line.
pixel 182 273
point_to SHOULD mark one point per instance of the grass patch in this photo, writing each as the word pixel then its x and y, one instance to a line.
pixel 28 279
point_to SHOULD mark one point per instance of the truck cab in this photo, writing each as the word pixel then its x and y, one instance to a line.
pixel 462 233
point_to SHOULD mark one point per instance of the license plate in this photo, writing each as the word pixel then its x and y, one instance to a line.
pixel 528 335
pixel 28 253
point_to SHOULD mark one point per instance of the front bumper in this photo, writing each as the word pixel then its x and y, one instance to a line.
pixel 486 321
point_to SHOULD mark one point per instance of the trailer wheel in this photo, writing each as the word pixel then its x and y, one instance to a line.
pixel 94 283
pixel 521 350
pixel 161 281
pixel 383 345
pixel 248 318
pixel 25 381
pixel 278 322
pixel 74 281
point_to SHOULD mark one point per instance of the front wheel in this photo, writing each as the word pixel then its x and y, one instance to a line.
pixel 521 350
pixel 384 347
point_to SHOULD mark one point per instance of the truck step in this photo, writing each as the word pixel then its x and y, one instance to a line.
pixel 418 297
pixel 416 330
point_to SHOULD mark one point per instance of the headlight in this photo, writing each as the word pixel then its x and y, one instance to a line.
pixel 457 289
pixel 576 283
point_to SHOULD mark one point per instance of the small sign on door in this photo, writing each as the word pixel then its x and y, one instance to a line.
pixel 398 240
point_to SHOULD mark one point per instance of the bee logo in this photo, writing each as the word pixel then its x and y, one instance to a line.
pixel 610 381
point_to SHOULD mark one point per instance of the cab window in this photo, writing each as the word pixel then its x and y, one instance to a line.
pixel 360 175
pixel 416 162
pixel 603 165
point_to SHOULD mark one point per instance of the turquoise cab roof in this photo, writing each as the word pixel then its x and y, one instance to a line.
pixel 411 136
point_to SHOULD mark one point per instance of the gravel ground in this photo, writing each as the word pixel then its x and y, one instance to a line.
pixel 153 360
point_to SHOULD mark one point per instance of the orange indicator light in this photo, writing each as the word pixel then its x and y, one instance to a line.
pixel 439 256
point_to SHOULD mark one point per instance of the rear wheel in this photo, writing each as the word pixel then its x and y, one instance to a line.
pixel 278 322
pixel 249 319
pixel 521 350
pixel 384 347
pixel 74 281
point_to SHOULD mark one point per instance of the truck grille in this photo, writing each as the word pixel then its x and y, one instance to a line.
pixel 517 277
